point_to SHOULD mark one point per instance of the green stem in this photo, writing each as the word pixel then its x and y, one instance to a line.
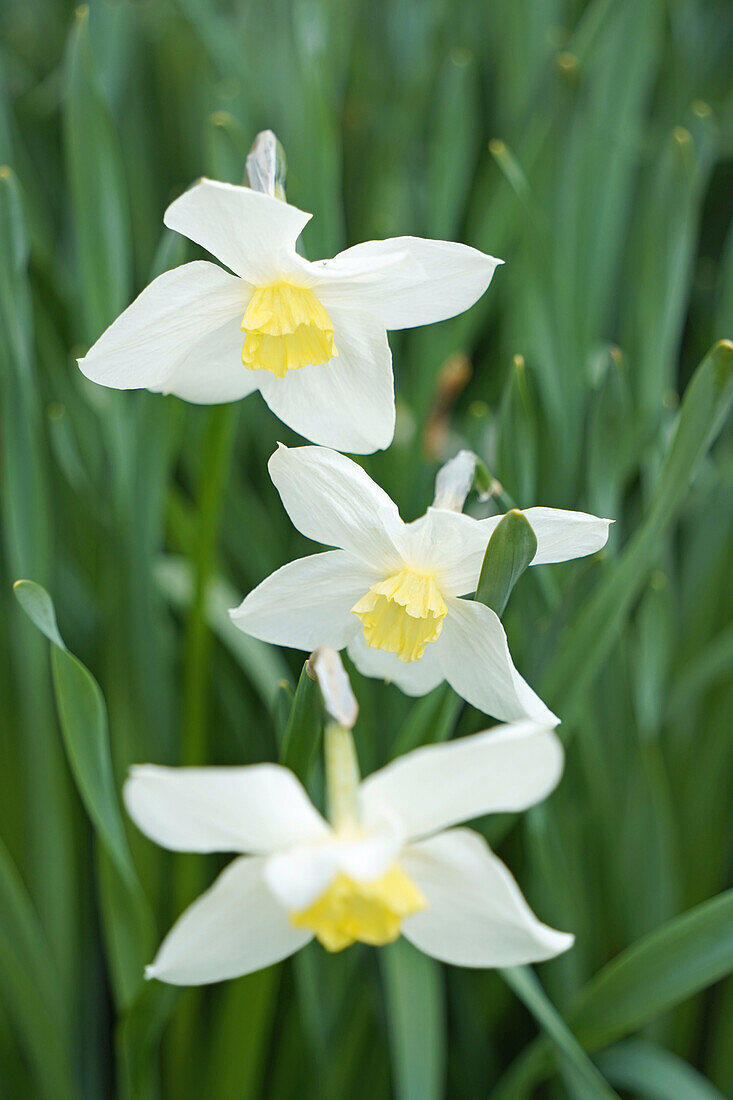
pixel 213 471
pixel 342 775
pixel 218 441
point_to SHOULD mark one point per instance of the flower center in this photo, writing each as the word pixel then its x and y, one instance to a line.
pixel 402 614
pixel 286 328
pixel 370 912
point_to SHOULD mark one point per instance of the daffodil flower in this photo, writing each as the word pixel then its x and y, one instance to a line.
pixel 387 863
pixel 311 337
pixel 391 592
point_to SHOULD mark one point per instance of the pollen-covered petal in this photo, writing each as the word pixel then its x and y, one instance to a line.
pixel 156 333
pixel 448 278
pixel 502 770
pixel 307 602
pixel 347 403
pixel 256 808
pixel 211 373
pixel 475 914
pixel 332 500
pixel 475 659
pixel 236 927
pixel 413 677
pixel 252 233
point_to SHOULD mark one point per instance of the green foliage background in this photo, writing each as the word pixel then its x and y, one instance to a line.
pixel 589 145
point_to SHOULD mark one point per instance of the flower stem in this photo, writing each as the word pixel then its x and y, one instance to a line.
pixel 218 442
pixel 342 776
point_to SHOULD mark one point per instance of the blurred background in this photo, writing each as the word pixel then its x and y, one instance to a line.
pixel 590 145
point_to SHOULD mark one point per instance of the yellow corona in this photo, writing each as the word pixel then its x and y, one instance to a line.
pixel 402 614
pixel 286 328
pixel 367 912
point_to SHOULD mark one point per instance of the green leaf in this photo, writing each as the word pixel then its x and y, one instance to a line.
pixel 303 732
pixel 676 961
pixel 516 461
pixel 97 186
pixel 511 548
pixel 30 994
pixel 416 1019
pixel 586 641
pixel 243 1023
pixel 430 719
pixel 653 1072
pixel 139 1033
pixel 671 963
pixel 83 718
pixel 580 1075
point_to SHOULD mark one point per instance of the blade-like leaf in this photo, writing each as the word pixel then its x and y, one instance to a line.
pixel 415 1014
pixel 83 718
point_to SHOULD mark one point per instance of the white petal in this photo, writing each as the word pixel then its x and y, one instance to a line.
pixel 252 233
pixel 502 770
pixel 450 544
pixel 234 928
pixel 475 659
pixel 212 371
pixel 412 677
pixel 460 541
pixel 150 340
pixel 448 279
pixel 332 500
pixel 256 808
pixel 299 876
pixel 476 914
pixel 347 403
pixel 563 535
pixel 308 602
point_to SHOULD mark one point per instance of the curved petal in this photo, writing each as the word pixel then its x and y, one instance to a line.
pixel 332 500
pixel 307 603
pixel 236 927
pixel 156 333
pixel 347 403
pixel 450 544
pixel 475 659
pixel 476 914
pixel 299 876
pixel 502 770
pixel 460 541
pixel 412 677
pixel 563 535
pixel 256 808
pixel 252 233
pixel 212 371
pixel 448 279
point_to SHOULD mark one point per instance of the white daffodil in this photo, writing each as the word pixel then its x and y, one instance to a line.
pixel 388 861
pixel 391 591
pixel 312 337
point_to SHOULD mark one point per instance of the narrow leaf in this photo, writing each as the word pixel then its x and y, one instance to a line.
pixel 415 1013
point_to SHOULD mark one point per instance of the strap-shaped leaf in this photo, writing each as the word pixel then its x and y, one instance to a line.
pixel 83 717
pixel 416 1018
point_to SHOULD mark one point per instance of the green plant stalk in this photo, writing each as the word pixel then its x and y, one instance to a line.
pixel 217 449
